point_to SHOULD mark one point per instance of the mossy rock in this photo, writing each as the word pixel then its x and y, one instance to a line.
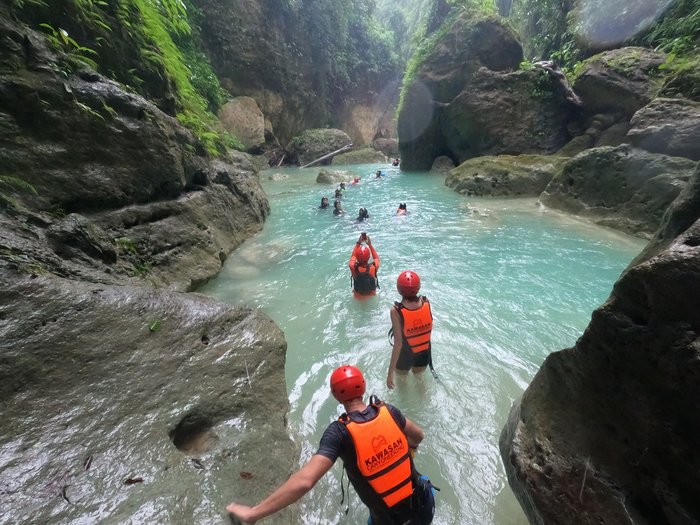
pixel 360 156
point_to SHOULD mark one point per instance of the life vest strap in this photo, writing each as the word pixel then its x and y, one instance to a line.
pixel 397 487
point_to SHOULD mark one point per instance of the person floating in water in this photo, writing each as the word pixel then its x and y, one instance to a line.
pixel 324 203
pixel 395 163
pixel 342 186
pixel 411 325
pixel 338 194
pixel 395 493
pixel 401 210
pixel 364 273
pixel 356 180
pixel 362 214
pixel 337 208
pixel 378 175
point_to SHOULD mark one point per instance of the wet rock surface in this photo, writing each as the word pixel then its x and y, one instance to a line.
pixel 504 176
pixel 360 156
pixel 621 80
pixel 242 117
pixel 624 188
pixel 607 430
pixel 94 384
pixel 669 126
pixel 470 75
pixel 334 176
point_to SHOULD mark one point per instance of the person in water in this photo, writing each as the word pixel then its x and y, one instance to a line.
pixel 412 325
pixel 364 273
pixel 338 194
pixel 378 175
pixel 337 208
pixel 395 163
pixel 401 210
pixel 362 215
pixel 356 180
pixel 392 488
pixel 324 203
pixel 342 186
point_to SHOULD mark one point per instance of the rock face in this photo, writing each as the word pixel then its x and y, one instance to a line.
pixel 669 126
pixel 619 81
pixel 101 374
pixel 314 144
pixel 145 200
pixel 334 176
pixel 607 431
pixel 504 176
pixel 621 187
pixel 98 384
pixel 442 164
pixel 467 99
pixel 242 117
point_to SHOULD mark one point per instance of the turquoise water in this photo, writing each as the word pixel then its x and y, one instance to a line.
pixel 508 282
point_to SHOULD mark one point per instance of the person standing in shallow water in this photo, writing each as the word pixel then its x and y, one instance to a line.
pixel 393 490
pixel 412 325
pixel 337 208
pixel 324 203
pixel 363 272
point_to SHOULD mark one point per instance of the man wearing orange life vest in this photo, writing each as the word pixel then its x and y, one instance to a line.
pixel 364 273
pixel 412 325
pixel 376 443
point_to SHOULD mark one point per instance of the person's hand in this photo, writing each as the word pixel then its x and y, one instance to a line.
pixel 390 380
pixel 242 512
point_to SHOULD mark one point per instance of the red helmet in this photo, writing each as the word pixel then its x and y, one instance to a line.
pixel 347 383
pixel 362 254
pixel 408 284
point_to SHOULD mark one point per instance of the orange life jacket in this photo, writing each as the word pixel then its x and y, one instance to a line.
pixel 383 455
pixel 416 326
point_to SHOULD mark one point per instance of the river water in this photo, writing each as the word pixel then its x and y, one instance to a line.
pixel 508 284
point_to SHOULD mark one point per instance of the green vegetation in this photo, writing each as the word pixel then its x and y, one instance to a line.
pixel 10 187
pixel 148 45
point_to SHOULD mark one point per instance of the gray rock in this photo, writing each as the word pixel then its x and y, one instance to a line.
pixel 390 147
pixel 442 164
pixel 621 80
pixel 244 119
pixel 97 383
pixel 315 143
pixel 504 176
pixel 623 187
pixel 334 176
pixel 669 126
pixel 77 236
pixel 360 156
pixel 607 430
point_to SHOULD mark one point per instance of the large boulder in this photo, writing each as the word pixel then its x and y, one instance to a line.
pixel 504 176
pixel 130 405
pixel 390 147
pixel 670 126
pixel 360 156
pixel 506 113
pixel 623 187
pixel 244 119
pixel 468 98
pixel 607 431
pixel 334 176
pixel 315 143
pixel 619 81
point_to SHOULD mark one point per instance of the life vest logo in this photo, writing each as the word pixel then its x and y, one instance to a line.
pixel 419 326
pixel 384 452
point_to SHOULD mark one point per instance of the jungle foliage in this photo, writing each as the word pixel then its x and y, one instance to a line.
pixel 147 45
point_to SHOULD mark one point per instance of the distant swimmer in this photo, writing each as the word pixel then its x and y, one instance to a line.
pixel 356 180
pixel 395 163
pixel 402 210
pixel 338 194
pixel 362 214
pixel 337 208
pixel 324 203
pixel 378 175
pixel 411 326
pixel 364 273
pixel 376 443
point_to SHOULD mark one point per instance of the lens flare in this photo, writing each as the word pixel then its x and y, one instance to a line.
pixel 604 23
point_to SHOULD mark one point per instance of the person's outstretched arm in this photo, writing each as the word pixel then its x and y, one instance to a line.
pixel 375 255
pixel 396 350
pixel 290 491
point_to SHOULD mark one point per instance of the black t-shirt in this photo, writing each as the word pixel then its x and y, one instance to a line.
pixel 336 442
